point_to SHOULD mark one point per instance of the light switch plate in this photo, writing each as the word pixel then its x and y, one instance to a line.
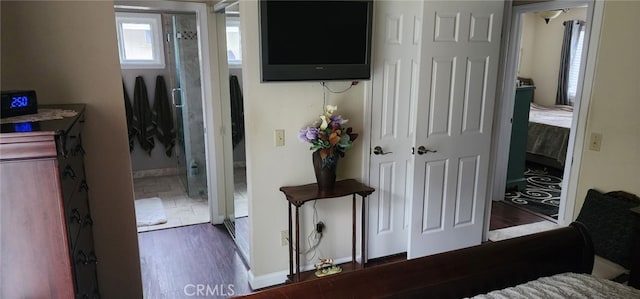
pixel 279 135
pixel 284 237
pixel 595 142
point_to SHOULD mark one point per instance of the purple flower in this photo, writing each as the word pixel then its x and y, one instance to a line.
pixel 337 121
pixel 308 134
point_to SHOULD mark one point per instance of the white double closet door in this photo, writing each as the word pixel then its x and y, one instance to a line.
pixel 432 98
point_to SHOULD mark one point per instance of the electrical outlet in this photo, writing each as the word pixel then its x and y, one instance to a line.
pixel 595 142
pixel 279 135
pixel 284 238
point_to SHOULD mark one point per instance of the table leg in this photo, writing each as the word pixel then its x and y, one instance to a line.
pixel 363 251
pixel 290 245
pixel 297 243
pixel 353 231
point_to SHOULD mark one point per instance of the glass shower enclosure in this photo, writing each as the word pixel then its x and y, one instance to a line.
pixel 186 93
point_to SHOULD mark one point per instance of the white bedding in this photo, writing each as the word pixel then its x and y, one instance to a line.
pixel 559 115
pixel 566 285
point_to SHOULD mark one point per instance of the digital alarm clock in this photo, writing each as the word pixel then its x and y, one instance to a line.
pixel 18 102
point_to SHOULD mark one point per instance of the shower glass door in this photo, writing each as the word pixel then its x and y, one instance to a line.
pixel 180 153
pixel 187 95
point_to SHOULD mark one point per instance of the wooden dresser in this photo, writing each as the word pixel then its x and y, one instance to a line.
pixel 46 248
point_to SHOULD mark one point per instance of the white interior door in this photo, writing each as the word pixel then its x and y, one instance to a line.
pixel 394 89
pixel 459 63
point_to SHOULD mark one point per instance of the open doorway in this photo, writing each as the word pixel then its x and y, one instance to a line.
pixel 161 77
pixel 543 109
pixel 195 165
pixel 176 44
pixel 542 98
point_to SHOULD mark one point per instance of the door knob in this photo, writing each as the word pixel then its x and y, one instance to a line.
pixel 423 150
pixel 378 151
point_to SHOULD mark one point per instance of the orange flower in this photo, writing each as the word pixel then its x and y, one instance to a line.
pixel 329 136
pixel 334 138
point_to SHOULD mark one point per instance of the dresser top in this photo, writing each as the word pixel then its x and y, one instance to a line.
pixel 45 127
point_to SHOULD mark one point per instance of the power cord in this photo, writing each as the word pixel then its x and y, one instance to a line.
pixel 316 234
pixel 326 87
pixel 313 247
pixel 314 238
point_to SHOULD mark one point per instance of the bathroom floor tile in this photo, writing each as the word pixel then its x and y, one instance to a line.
pixel 179 208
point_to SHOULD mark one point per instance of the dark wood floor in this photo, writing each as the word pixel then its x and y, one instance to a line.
pixel 504 215
pixel 176 261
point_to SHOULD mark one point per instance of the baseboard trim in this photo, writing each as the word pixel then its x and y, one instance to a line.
pixel 267 280
pixel 280 277
pixel 217 219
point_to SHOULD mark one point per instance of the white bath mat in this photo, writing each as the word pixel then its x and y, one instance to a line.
pixel 521 230
pixel 149 211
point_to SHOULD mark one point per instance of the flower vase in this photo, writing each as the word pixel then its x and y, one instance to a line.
pixel 325 174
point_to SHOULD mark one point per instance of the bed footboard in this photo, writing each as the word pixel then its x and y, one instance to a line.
pixel 457 274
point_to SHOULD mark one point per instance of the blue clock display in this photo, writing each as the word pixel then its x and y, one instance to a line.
pixel 19 102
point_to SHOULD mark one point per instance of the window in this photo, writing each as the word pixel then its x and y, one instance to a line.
pixel 574 67
pixel 234 48
pixel 140 40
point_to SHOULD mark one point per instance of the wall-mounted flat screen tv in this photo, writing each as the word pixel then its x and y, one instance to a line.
pixel 315 40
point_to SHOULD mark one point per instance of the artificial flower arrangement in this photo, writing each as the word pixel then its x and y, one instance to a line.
pixel 328 136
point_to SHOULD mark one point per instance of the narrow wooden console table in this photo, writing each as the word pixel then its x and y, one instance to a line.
pixel 298 195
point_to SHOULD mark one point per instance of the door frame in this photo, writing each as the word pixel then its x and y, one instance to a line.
pixel 218 16
pixel 504 107
pixel 211 102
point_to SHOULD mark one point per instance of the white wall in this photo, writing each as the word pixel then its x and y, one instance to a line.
pixel 527 45
pixel 67 52
pixel 614 107
pixel 540 52
pixel 289 106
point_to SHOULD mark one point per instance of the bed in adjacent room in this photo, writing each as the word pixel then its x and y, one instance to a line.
pixel 548 134
pixel 539 134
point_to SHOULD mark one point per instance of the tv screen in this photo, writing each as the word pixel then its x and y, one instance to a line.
pixel 315 40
